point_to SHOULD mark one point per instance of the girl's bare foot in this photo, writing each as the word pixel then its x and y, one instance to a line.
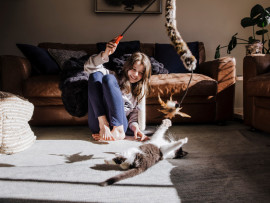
pixel 96 137
pixel 105 134
pixel 118 132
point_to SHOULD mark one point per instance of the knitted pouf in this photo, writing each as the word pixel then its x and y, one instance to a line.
pixel 15 132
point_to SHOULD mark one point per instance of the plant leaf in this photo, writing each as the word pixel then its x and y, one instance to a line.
pixel 262 23
pixel 256 10
pixel 217 54
pixel 251 40
pixel 232 44
pixel 261 32
pixel 246 22
pixel 263 19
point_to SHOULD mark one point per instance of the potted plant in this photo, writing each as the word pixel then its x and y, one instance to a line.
pixel 260 19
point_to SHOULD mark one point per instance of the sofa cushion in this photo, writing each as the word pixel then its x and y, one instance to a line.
pixel 166 54
pixel 176 84
pixel 259 85
pixel 42 86
pixel 40 59
pixel 61 55
pixel 122 48
pixel 88 48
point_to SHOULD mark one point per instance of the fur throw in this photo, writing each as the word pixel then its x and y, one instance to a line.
pixel 74 86
pixel 116 65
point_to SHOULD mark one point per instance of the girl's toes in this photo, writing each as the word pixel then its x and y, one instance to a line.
pixel 108 138
pixel 96 137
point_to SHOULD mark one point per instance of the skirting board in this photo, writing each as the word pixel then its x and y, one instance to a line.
pixel 238 113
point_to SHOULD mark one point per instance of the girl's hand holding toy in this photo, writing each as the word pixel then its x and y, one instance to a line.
pixel 110 48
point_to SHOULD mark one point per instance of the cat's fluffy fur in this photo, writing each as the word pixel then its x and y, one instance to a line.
pixel 139 159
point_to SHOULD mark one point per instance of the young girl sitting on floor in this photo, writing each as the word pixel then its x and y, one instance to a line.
pixel 113 99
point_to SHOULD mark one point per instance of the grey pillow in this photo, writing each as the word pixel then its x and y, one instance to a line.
pixel 61 56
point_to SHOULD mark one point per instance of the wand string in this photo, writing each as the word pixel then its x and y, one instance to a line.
pixel 138 17
pixel 121 36
pixel 187 88
pixel 189 61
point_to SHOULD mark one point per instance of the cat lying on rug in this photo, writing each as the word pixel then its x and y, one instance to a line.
pixel 139 159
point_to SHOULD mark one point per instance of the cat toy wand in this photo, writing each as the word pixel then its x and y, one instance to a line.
pixel 122 35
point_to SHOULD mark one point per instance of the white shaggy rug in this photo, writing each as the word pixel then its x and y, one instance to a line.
pixel 70 170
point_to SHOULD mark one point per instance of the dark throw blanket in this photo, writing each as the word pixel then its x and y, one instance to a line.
pixel 74 86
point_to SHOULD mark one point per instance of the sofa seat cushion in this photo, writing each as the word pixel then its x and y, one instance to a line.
pixel 42 86
pixel 259 85
pixel 176 84
pixel 188 99
pixel 46 101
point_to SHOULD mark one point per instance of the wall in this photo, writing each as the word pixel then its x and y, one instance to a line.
pixel 68 21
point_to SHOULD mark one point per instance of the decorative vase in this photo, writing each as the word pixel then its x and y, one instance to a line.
pixel 254 48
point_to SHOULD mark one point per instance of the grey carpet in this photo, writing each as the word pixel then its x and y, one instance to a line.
pixel 224 164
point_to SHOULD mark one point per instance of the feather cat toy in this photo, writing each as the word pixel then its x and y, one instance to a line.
pixel 172 108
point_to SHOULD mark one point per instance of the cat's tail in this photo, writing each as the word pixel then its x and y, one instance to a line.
pixel 127 174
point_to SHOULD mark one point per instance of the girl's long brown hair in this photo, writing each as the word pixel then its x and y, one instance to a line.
pixel 142 85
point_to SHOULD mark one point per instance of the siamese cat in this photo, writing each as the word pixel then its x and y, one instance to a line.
pixel 139 159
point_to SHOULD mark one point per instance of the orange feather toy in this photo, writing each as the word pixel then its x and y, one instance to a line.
pixel 171 108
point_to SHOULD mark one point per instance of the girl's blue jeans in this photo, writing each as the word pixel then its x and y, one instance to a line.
pixel 105 98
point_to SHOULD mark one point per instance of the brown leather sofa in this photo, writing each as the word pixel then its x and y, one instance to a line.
pixel 256 78
pixel 210 97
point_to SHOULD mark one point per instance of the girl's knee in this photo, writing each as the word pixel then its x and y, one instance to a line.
pixel 109 80
pixel 96 76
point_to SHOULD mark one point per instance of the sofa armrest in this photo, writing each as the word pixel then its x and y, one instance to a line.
pixel 13 71
pixel 255 65
pixel 223 71
pixel 252 66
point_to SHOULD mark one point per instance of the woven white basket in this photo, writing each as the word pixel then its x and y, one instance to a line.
pixel 15 132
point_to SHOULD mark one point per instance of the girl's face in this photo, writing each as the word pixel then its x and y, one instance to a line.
pixel 136 73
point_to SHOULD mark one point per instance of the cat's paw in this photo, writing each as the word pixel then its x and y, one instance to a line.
pixel 166 123
pixel 185 140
